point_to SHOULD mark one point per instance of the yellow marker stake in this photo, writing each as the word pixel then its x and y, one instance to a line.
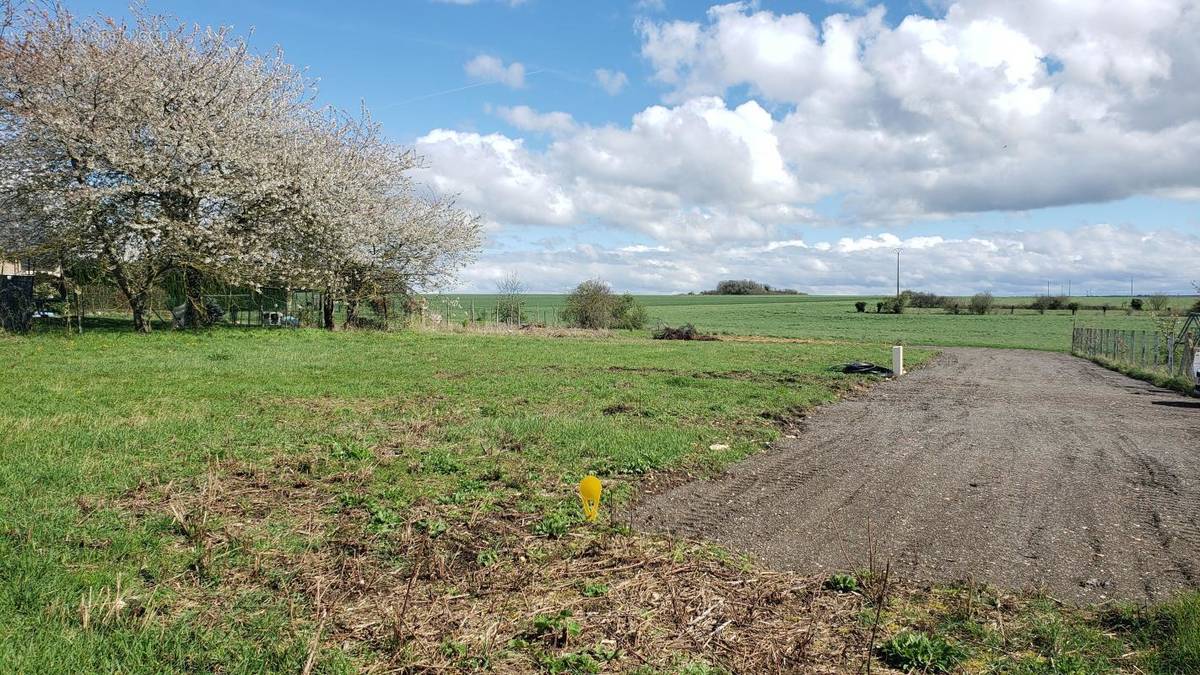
pixel 589 492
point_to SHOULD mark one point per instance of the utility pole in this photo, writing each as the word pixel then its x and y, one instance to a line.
pixel 1047 288
pixel 1068 288
pixel 1131 287
pixel 897 274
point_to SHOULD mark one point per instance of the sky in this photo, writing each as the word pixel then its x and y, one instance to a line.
pixel 664 145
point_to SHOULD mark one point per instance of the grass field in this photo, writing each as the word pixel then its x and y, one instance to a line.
pixel 258 501
pixel 834 318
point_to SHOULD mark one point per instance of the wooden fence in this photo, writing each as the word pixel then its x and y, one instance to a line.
pixel 1150 350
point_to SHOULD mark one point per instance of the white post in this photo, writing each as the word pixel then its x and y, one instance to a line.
pixel 898 360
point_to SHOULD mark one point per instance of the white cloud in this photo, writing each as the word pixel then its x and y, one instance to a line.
pixel 960 113
pixel 1096 258
pixel 611 81
pixel 489 68
pixel 528 119
pixel 995 105
pixel 496 176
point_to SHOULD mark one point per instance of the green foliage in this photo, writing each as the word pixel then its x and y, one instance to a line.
pixel 1174 629
pixel 981 303
pixel 595 590
pixel 895 305
pixel 590 305
pixel 911 650
pixel 558 627
pixel 748 287
pixel 860 306
pixel 842 583
pixel 1135 304
pixel 628 313
pixel 922 300
pixel 553 525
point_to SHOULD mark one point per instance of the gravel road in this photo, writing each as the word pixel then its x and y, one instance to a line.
pixel 1023 469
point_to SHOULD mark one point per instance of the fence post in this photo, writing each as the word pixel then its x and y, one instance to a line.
pixel 1171 355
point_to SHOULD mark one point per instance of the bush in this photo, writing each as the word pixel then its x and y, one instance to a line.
pixel 894 305
pixel 879 308
pixel 952 306
pixel 590 305
pixel 1044 302
pixel 509 306
pixel 593 305
pixel 1074 307
pixel 981 303
pixel 629 313
pixel 922 300
pixel 860 307
pixel 1158 302
pixel 1135 304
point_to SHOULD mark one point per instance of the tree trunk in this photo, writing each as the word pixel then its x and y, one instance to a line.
pixel 327 311
pixel 351 313
pixel 137 303
pixel 195 315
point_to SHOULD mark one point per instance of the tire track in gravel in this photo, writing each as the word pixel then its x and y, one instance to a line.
pixel 1023 469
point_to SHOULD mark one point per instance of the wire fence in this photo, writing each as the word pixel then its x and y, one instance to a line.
pixel 1170 355
pixel 230 305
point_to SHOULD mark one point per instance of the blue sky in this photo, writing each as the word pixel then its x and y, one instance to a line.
pixel 799 142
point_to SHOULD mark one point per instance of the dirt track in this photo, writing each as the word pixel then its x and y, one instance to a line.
pixel 1023 469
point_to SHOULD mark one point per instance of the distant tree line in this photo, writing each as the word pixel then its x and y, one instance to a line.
pixel 985 303
pixel 748 287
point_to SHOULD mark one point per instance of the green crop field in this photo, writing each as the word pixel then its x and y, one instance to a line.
pixel 835 318
pixel 295 500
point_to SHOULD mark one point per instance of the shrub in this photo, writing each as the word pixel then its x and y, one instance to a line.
pixel 922 300
pixel 1158 302
pixel 1135 304
pixel 911 651
pixel 981 303
pixel 1196 307
pixel 1074 307
pixel 878 307
pixel 628 313
pixel 593 305
pixel 1044 302
pixel 860 307
pixel 894 305
pixel 952 306
pixel 590 305
pixel 509 306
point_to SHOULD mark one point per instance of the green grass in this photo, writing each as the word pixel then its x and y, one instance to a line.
pixel 984 630
pixel 163 497
pixel 834 318
pixel 467 422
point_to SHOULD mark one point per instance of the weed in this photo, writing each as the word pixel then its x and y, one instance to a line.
pixel 595 590
pixel 555 629
pixel 553 525
pixel 842 583
pixel 910 650
pixel 432 527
